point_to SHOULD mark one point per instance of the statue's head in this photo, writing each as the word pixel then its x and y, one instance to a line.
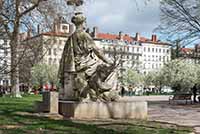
pixel 78 19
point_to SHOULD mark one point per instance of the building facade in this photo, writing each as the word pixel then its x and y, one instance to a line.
pixel 139 53
pixel 45 47
pixel 154 55
pixel 5 61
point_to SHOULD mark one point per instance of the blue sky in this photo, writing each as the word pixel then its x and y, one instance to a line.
pixel 128 16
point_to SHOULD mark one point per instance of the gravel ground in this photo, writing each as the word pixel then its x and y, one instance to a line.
pixel 160 110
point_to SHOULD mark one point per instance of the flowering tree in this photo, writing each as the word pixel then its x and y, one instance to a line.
pixel 43 73
pixel 132 77
pixel 180 75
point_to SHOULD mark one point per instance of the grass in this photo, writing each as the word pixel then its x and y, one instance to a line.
pixel 11 122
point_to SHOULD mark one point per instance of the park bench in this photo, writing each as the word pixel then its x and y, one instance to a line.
pixel 181 98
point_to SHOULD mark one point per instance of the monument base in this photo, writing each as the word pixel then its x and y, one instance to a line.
pixel 103 110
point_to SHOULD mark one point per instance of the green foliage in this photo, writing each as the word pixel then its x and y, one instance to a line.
pixel 132 77
pixel 43 73
pixel 17 118
pixel 180 75
pixel 150 79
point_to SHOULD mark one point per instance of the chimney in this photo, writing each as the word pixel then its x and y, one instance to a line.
pixel 59 22
pixel 120 35
pixel 154 38
pixel 38 29
pixel 137 36
pixel 55 28
pixel 95 32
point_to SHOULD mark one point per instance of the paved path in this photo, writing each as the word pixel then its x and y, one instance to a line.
pixel 160 110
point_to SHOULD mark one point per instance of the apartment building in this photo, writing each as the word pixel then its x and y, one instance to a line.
pixel 142 54
pixel 44 47
pixel 5 61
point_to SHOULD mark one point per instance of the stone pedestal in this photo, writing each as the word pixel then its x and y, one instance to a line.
pixel 67 93
pixel 49 103
pixel 101 110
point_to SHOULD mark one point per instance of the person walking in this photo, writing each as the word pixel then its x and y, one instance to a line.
pixel 194 91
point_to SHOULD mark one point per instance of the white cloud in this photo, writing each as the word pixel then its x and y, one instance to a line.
pixel 129 16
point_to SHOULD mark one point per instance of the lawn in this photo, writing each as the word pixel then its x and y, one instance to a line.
pixel 11 122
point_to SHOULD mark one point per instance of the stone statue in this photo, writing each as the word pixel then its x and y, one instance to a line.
pixel 84 71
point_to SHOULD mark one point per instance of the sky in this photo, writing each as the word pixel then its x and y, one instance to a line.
pixel 128 16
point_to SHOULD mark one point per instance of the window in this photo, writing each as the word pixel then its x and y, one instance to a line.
pixel 5 52
pixel 148 49
pixel 127 56
pixel 133 49
pixel 152 49
pixel 49 51
pixel 138 49
pixel 159 50
pixel 127 49
pixel 156 50
pixel 60 42
pixel 55 51
pixel 163 50
pixel 144 49
pixel 167 51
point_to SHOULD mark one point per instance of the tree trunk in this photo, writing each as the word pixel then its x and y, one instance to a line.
pixel 14 54
pixel 14 70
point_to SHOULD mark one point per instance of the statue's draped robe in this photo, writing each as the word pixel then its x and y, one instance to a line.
pixel 79 59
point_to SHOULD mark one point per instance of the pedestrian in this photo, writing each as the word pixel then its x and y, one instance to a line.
pixel 122 91
pixel 194 91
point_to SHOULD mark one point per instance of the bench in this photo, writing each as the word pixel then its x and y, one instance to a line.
pixel 181 97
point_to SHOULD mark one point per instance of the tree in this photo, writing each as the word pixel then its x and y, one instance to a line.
pixel 39 75
pixel 42 74
pixel 150 79
pixel 176 49
pixel 132 77
pixel 180 19
pixel 180 75
pixel 52 73
pixel 21 16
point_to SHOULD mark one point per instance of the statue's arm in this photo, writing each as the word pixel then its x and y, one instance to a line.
pixel 100 54
pixel 96 50
pixel 103 85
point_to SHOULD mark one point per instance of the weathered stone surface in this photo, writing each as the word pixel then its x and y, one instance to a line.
pixel 84 70
pixel 49 103
pixel 103 110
